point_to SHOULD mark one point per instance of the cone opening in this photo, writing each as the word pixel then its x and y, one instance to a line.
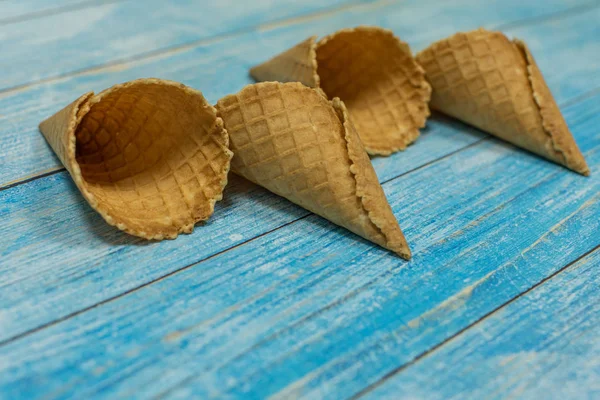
pixel 152 156
pixel 375 75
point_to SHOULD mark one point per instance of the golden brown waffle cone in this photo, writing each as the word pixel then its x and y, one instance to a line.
pixel 291 140
pixel 149 155
pixel 372 71
pixel 298 64
pixel 485 80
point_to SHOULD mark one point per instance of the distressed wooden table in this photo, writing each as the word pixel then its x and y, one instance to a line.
pixel 502 298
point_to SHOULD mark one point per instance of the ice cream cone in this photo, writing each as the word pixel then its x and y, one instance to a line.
pixel 486 80
pixel 149 155
pixel 372 71
pixel 291 140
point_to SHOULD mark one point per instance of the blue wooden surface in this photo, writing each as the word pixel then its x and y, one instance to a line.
pixel 545 341
pixel 18 10
pixel 110 32
pixel 266 299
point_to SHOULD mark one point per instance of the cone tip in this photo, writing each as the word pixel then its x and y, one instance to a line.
pixel 585 171
pixel 405 253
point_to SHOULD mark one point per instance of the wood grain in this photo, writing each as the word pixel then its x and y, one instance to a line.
pixel 59 249
pixel 377 313
pixel 268 300
pixel 87 37
pixel 221 67
pixel 54 245
pixel 12 11
pixel 283 316
pixel 544 344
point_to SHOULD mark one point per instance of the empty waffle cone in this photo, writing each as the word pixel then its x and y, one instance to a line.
pixel 298 64
pixel 488 81
pixel 291 140
pixel 149 155
pixel 372 71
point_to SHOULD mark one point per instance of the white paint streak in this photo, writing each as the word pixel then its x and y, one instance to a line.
pixel 236 237
pixel 451 303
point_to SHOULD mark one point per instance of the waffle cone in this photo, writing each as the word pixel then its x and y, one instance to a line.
pixel 486 80
pixel 298 64
pixel 149 155
pixel 291 140
pixel 372 71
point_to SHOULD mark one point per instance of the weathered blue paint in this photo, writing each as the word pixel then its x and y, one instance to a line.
pixel 313 310
pixel 88 37
pixel 377 313
pixel 47 222
pixel 266 299
pixel 18 10
pixel 543 345
pixel 57 211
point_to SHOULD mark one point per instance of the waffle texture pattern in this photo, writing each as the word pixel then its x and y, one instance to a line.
pixel 372 71
pixel 493 83
pixel 291 140
pixel 151 156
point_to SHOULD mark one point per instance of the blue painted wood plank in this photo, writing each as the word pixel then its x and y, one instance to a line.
pixel 310 310
pixel 221 67
pixel 56 248
pixel 18 10
pixel 490 247
pixel 110 334
pixel 97 263
pixel 543 345
pixel 62 43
